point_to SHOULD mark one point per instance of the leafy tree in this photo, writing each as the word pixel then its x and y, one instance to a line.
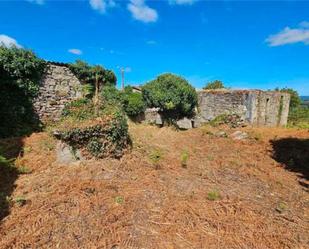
pixel 95 75
pixel 216 84
pixel 172 94
pixel 295 100
pixel 89 74
pixel 21 67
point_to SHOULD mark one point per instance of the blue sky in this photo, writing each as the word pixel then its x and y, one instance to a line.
pixel 246 44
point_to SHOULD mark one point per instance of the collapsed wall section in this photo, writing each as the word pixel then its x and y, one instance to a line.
pixel 260 108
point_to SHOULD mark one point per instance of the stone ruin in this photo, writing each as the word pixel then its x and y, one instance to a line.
pixel 259 108
pixel 58 87
pixel 256 107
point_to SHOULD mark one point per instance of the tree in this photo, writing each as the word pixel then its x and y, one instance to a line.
pixel 95 75
pixel 216 84
pixel 172 94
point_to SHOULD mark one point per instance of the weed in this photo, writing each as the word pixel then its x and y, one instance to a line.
pixel 213 195
pixel 155 157
pixel 119 199
pixel 20 201
pixel 48 144
pixel 23 170
pixel 281 207
pixel 184 159
pixel 27 149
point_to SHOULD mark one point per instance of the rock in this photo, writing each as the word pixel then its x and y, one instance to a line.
pixel 184 123
pixel 239 135
pixel 66 155
pixel 221 134
pixel 159 119
pixel 198 122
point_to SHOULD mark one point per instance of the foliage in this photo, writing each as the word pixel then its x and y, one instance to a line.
pixel 20 73
pixel 21 67
pixel 134 104
pixel 216 84
pixel 172 94
pixel 110 94
pixel 131 102
pixel 299 117
pixel 79 109
pixel 184 157
pixel 213 195
pixel 97 135
pixel 16 111
pixel 87 73
pixel 155 157
pixel 295 100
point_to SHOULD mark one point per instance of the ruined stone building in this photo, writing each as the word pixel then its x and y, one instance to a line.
pixel 58 87
pixel 260 108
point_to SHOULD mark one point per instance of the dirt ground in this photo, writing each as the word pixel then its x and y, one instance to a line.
pixel 174 190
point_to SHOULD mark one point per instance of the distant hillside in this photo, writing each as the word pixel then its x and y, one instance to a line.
pixel 305 100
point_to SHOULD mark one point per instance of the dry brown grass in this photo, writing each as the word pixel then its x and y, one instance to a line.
pixel 136 203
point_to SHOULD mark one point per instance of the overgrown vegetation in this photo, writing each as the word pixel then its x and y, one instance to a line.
pixel 216 84
pixel 99 135
pixel 175 97
pixel 20 74
pixel 131 102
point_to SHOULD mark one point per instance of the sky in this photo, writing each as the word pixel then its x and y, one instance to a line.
pixel 246 44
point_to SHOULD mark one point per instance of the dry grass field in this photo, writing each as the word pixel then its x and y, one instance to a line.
pixel 173 190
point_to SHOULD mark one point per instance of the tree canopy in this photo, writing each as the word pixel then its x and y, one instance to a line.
pixel 172 94
pixel 87 73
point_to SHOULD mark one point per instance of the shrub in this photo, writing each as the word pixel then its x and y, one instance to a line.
pixel 21 67
pixel 184 157
pixel 110 94
pixel 20 73
pixel 99 136
pixel 134 104
pixel 216 84
pixel 213 195
pixel 299 117
pixel 172 94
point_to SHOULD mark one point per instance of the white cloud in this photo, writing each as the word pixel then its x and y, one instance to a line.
pixel 290 35
pixel 75 51
pixel 182 2
pixel 102 5
pixel 40 2
pixel 140 11
pixel 8 41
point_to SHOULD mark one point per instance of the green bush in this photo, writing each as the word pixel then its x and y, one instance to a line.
pixel 134 104
pixel 99 136
pixel 299 117
pixel 172 94
pixel 110 94
pixel 20 74
pixel 216 84
pixel 21 67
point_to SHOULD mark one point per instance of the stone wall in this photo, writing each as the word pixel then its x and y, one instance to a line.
pixel 58 86
pixel 261 108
